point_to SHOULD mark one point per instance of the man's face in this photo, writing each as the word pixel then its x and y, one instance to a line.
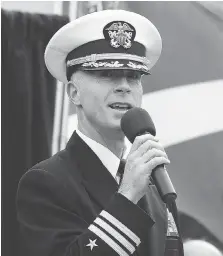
pixel 106 95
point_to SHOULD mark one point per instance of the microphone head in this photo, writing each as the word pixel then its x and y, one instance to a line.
pixel 137 121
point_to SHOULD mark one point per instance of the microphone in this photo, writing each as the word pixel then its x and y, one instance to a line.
pixel 135 122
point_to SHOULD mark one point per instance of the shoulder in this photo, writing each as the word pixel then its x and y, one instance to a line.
pixel 61 166
pixel 51 181
pixel 54 164
pixel 58 172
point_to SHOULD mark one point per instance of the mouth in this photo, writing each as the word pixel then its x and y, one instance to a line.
pixel 120 106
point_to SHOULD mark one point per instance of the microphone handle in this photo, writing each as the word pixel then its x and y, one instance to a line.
pixel 162 181
pixel 163 184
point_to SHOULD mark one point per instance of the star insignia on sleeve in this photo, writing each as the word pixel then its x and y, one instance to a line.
pixel 92 244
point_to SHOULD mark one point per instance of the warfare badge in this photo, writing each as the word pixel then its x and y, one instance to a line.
pixel 119 33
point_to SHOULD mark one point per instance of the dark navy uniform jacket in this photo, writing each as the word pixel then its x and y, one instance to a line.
pixel 68 205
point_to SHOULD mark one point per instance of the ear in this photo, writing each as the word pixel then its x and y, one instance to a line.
pixel 73 93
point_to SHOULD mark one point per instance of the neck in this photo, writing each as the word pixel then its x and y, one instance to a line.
pixel 113 140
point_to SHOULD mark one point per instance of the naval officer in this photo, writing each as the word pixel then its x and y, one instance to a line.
pixel 76 202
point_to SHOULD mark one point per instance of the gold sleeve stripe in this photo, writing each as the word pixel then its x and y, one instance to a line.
pixel 107 240
pixel 121 227
pixel 115 234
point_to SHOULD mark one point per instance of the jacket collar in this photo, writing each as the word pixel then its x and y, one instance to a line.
pixel 109 159
pixel 97 180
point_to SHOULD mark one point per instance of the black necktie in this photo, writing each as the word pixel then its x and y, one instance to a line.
pixel 121 169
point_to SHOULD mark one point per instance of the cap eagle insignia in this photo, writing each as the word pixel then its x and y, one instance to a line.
pixel 121 34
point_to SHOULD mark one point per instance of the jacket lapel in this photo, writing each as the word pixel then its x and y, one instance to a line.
pixel 96 179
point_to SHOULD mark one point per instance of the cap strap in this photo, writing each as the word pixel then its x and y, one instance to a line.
pixel 106 56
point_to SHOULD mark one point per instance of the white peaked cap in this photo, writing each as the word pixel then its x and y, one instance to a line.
pixel 110 39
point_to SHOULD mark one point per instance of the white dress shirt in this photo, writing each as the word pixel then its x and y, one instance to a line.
pixel 108 159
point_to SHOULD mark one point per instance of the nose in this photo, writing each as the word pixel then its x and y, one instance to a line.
pixel 122 86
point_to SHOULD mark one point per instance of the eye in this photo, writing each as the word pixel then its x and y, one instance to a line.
pixel 106 73
pixel 134 75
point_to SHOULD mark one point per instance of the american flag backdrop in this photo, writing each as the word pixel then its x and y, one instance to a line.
pixel 184 96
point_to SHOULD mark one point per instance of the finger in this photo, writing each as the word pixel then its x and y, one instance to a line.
pixel 139 140
pixel 153 163
pixel 149 155
pixel 148 145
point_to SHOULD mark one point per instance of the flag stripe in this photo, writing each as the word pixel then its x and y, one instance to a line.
pixel 196 104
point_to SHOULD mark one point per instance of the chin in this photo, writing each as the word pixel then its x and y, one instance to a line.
pixel 112 125
pixel 116 126
pixel 112 130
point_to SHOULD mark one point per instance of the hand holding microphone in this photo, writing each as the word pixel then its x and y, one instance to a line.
pixel 145 155
pixel 146 158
